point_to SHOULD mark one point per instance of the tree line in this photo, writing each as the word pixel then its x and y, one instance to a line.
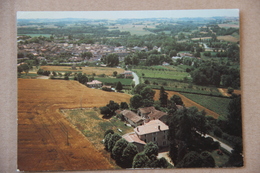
pixel 127 155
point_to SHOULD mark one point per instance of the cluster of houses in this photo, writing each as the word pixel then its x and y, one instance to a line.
pixel 45 49
pixel 53 49
pixel 149 126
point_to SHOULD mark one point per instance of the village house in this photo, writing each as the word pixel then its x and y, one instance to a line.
pixel 128 74
pixel 154 131
pixel 94 84
pixel 150 113
pixel 133 138
pixel 132 118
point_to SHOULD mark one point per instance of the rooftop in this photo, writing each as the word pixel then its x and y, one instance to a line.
pixel 94 82
pixel 131 115
pixel 151 127
pixel 132 137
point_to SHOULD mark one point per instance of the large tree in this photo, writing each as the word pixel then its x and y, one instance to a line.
pixel 176 99
pixel 151 149
pixel 128 155
pixel 113 106
pixel 112 60
pixel 106 140
pixel 147 93
pixel 105 111
pixel 136 101
pixel 140 160
pixel 234 116
pixel 112 141
pixel 119 86
pixel 124 105
pixel 163 97
pixel 118 149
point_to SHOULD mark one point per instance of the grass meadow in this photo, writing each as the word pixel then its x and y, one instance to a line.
pixel 177 75
pixel 216 104
pixel 112 81
pixel 93 126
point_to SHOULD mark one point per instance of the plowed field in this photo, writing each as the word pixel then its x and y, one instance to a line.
pixel 46 140
pixel 187 102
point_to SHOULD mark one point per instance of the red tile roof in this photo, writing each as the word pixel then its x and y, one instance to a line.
pixel 147 110
pixel 132 137
pixel 131 115
pixel 151 127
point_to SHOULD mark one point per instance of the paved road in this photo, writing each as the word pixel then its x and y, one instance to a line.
pixel 136 78
pixel 223 145
pixel 165 155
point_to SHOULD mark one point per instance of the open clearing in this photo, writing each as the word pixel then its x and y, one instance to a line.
pixel 187 102
pixel 46 139
pixel 225 93
pixel 228 38
pixel 134 29
pixel 87 70
pixel 229 25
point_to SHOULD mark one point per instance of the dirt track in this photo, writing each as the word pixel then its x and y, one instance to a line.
pixel 46 140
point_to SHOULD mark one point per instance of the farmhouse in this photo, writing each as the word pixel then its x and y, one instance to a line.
pixel 94 84
pixel 132 118
pixel 133 138
pixel 127 74
pixel 150 113
pixel 154 131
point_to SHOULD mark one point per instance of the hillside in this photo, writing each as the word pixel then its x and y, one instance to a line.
pixel 46 140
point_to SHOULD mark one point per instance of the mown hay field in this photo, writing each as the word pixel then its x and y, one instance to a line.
pixel 46 139
pixel 87 70
pixel 229 38
pixel 234 25
pixel 187 102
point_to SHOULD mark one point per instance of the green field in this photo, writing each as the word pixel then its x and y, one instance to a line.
pixel 27 76
pixel 162 74
pixel 216 104
pixel 38 35
pixel 112 81
pixel 133 29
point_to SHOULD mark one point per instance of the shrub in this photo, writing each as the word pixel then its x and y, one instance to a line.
pixel 217 131
pixel 230 90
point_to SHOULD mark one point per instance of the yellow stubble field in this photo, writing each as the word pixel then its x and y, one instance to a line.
pixel 46 139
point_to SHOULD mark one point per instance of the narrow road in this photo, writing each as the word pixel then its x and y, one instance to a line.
pixel 136 78
pixel 223 145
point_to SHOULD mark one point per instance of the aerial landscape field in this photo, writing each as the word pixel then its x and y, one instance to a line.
pixel 132 92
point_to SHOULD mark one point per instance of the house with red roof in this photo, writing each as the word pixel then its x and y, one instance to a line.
pixel 150 113
pixel 94 84
pixel 154 131
pixel 132 118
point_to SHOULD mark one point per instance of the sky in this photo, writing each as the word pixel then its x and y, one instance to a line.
pixel 113 15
